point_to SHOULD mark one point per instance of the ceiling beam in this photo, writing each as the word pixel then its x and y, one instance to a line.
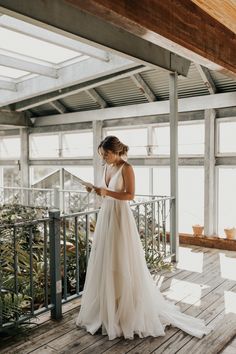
pixel 58 106
pixel 16 119
pixel 63 17
pixel 53 38
pixel 8 85
pixel 76 73
pixel 142 110
pixel 97 98
pixel 144 88
pixel 206 77
pixel 73 89
pixel 180 26
pixel 27 65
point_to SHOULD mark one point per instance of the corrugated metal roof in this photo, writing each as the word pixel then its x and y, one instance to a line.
pixel 223 83
pixel 192 85
pixel 79 102
pixel 121 92
pixel 125 92
pixel 44 110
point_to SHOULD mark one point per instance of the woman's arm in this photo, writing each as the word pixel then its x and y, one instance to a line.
pixel 129 183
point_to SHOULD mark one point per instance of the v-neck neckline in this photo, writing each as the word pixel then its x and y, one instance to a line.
pixel 107 184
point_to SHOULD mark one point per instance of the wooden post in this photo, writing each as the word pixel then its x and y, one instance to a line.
pixel 55 264
pixel 174 165
pixel 209 173
pixel 24 164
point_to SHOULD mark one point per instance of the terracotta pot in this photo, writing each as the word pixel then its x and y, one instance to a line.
pixel 230 233
pixel 197 230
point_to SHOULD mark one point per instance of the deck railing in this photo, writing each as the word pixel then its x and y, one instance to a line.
pixel 47 258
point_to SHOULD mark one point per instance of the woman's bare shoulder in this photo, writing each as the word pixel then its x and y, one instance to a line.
pixel 127 167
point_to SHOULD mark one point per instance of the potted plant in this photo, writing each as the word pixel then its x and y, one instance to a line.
pixel 230 233
pixel 197 230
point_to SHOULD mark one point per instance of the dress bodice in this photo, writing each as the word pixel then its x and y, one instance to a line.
pixel 116 182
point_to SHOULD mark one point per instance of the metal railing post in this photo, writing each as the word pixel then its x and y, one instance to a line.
pixel 55 264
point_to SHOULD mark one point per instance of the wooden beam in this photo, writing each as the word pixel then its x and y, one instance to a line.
pixel 8 85
pixel 50 37
pixel 58 106
pixel 17 119
pixel 73 89
pixel 28 65
pixel 173 81
pixel 97 98
pixel 223 11
pixel 73 74
pixel 206 77
pixel 180 26
pixel 209 172
pixel 145 89
pixel 63 18
pixel 218 100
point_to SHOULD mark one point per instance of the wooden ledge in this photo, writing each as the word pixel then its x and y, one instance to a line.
pixel 206 241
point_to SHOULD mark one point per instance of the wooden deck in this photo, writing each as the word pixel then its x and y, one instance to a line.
pixel 203 285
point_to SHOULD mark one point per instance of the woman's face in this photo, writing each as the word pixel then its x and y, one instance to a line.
pixel 108 156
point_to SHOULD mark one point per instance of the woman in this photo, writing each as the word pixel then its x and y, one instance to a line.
pixel 119 293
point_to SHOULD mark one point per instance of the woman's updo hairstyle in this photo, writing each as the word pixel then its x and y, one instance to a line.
pixel 113 144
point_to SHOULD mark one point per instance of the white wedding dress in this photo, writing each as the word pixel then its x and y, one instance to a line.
pixel 119 293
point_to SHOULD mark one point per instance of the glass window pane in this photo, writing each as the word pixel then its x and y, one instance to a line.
pixel 227 197
pixel 11 177
pixel 191 139
pixel 10 147
pixel 141 180
pixel 77 144
pixel 161 181
pixel 44 146
pixel 136 139
pixel 161 140
pixel 227 133
pixel 191 198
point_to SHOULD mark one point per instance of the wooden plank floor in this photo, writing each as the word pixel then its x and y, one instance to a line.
pixel 203 285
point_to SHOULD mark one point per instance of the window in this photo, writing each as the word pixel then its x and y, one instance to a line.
pixel 161 140
pixel 190 139
pixel 135 138
pixel 141 180
pixel 226 199
pixel 191 200
pixel 10 148
pixel 77 144
pixel 191 197
pixel 226 136
pixel 44 146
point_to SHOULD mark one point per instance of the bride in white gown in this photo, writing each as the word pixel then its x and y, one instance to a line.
pixel 119 293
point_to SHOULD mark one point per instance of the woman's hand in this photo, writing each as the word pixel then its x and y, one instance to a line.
pixel 101 191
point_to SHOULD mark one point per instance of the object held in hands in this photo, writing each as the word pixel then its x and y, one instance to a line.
pixel 89 186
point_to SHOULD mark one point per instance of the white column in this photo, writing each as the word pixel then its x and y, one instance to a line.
pixel 174 163
pixel 97 138
pixel 149 153
pixel 24 163
pixel 209 173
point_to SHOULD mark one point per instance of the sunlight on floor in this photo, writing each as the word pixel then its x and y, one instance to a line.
pixel 230 301
pixel 185 291
pixel 227 267
pixel 189 260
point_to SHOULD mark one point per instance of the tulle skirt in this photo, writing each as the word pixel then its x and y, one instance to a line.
pixel 119 293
